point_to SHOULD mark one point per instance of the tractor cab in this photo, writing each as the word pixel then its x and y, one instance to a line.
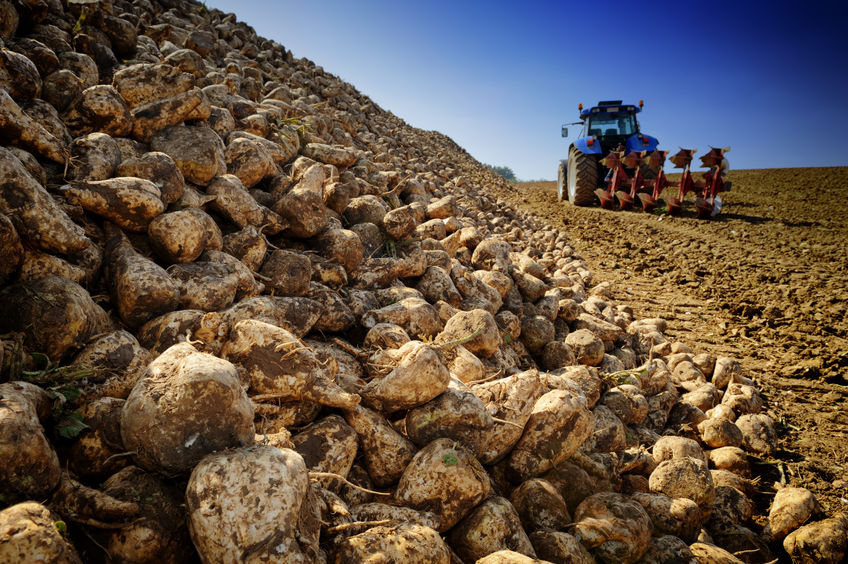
pixel 611 126
pixel 611 130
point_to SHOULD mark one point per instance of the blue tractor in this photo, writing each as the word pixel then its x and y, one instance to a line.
pixel 608 127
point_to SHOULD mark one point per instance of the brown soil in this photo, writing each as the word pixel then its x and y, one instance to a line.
pixel 765 282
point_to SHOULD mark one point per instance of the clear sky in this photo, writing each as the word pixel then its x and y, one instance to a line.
pixel 768 79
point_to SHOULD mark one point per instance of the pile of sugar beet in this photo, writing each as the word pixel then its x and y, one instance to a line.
pixel 249 316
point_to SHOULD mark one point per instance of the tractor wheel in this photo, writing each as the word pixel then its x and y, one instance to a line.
pixel 561 193
pixel 582 178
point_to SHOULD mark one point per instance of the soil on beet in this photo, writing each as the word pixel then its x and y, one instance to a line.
pixel 765 282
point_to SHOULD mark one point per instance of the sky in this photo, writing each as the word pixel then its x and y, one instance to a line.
pixel 768 79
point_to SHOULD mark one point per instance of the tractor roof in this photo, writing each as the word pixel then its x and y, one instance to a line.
pixel 614 107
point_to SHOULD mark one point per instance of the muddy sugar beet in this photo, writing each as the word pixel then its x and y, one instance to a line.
pixel 246 315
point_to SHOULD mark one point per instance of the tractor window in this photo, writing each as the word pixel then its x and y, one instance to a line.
pixel 613 125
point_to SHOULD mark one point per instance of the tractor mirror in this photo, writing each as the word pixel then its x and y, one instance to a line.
pixel 564 131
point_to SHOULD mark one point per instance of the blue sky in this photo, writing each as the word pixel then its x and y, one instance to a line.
pixel 770 80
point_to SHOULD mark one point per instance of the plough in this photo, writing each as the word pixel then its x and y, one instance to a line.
pixel 626 188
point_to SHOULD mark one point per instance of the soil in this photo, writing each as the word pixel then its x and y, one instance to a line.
pixel 766 282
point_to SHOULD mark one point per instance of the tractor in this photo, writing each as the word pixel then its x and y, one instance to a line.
pixel 633 166
pixel 608 128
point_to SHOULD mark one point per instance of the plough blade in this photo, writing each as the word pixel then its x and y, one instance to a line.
pixel 703 208
pixel 612 161
pixel 715 157
pixel 682 158
pixel 674 205
pixel 614 180
pixel 625 201
pixel 655 159
pixel 708 203
pixel 649 203
pixel 632 159
pixel 605 197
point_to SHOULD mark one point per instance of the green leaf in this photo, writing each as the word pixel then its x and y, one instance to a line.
pixel 450 459
pixel 70 392
pixel 79 23
pixel 41 359
pixel 61 527
pixel 71 425
pixel 461 340
pixel 391 248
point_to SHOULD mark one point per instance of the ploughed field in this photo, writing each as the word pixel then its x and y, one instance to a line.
pixel 765 282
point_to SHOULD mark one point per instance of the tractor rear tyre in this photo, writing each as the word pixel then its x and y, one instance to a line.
pixel 561 189
pixel 582 178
